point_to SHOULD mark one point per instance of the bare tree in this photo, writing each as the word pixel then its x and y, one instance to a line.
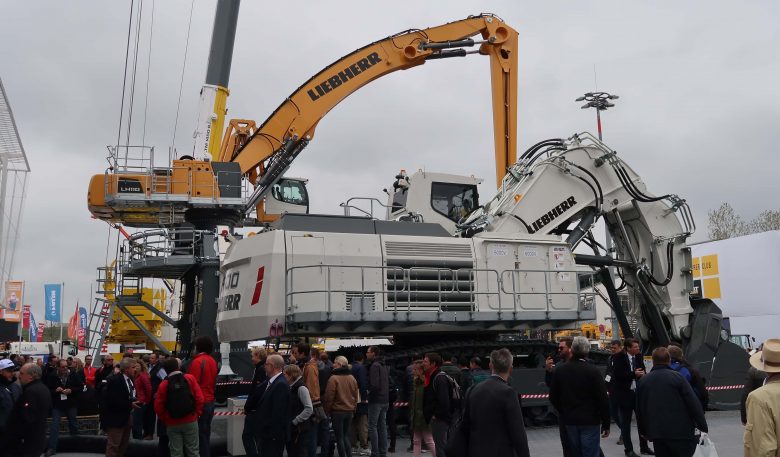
pixel 766 221
pixel 725 223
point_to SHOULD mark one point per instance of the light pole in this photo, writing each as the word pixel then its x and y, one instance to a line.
pixel 600 101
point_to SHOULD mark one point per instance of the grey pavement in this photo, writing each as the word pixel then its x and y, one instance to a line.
pixel 725 431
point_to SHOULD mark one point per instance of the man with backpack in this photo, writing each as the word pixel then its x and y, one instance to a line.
pixel 378 402
pixel 441 400
pixel 179 403
pixel 204 369
pixel 690 373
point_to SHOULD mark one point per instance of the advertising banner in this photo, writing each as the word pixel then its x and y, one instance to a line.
pixel 40 332
pixel 33 328
pixel 13 301
pixel 83 324
pixel 53 302
pixel 26 317
pixel 73 325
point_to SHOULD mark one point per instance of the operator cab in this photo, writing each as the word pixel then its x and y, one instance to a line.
pixel 289 195
pixel 433 197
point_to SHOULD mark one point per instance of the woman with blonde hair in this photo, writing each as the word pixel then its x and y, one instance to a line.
pixel 78 369
pixel 143 392
pixel 341 399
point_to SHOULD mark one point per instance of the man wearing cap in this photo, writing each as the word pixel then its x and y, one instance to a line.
pixel 10 391
pixel 762 431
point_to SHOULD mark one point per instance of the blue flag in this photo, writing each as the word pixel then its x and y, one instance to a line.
pixel 53 302
pixel 33 328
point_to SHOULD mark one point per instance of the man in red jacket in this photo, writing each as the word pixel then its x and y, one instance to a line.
pixel 180 419
pixel 204 369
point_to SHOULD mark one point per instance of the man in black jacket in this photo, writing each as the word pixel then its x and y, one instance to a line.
pixel 378 402
pixel 27 425
pixel 580 396
pixel 628 369
pixel 65 388
pixel 668 410
pixel 616 347
pixel 267 404
pixel 119 400
pixel 10 391
pixel 550 364
pixel 437 407
pixel 492 414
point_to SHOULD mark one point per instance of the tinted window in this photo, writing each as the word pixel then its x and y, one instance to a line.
pixel 289 191
pixel 454 201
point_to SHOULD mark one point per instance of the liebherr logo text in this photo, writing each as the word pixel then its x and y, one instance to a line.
pixel 230 301
pixel 553 214
pixel 343 76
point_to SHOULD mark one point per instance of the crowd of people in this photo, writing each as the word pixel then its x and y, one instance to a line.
pixel 294 405
pixel 138 397
pixel 306 405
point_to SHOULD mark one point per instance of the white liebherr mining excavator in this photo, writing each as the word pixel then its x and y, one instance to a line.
pixel 510 268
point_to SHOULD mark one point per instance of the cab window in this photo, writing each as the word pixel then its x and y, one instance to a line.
pixel 289 191
pixel 454 201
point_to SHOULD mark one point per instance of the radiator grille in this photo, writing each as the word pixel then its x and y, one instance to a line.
pixel 405 249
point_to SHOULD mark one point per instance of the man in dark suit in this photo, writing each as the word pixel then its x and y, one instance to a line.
pixel 119 400
pixel 580 397
pixel 492 413
pixel 668 410
pixel 267 406
pixel 65 388
pixel 628 367
pixel 616 347
pixel 550 364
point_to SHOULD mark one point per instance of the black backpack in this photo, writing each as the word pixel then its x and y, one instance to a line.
pixel 456 395
pixel 179 400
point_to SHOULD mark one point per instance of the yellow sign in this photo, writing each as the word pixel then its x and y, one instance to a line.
pixel 709 265
pixel 711 287
pixel 696 267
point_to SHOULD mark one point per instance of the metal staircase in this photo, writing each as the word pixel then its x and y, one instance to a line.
pixel 102 312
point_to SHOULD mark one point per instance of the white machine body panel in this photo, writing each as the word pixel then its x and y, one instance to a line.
pixel 283 282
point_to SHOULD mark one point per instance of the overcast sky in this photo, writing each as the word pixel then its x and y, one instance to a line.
pixel 698 113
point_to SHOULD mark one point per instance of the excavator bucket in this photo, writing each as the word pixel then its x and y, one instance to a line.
pixel 722 364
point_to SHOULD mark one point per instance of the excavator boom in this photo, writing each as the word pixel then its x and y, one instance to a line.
pixel 297 117
pixel 210 193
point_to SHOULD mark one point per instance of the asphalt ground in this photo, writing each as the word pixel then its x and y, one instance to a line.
pixel 725 432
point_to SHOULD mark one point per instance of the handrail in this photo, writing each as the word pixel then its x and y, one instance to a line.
pixel 445 286
pixel 347 205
